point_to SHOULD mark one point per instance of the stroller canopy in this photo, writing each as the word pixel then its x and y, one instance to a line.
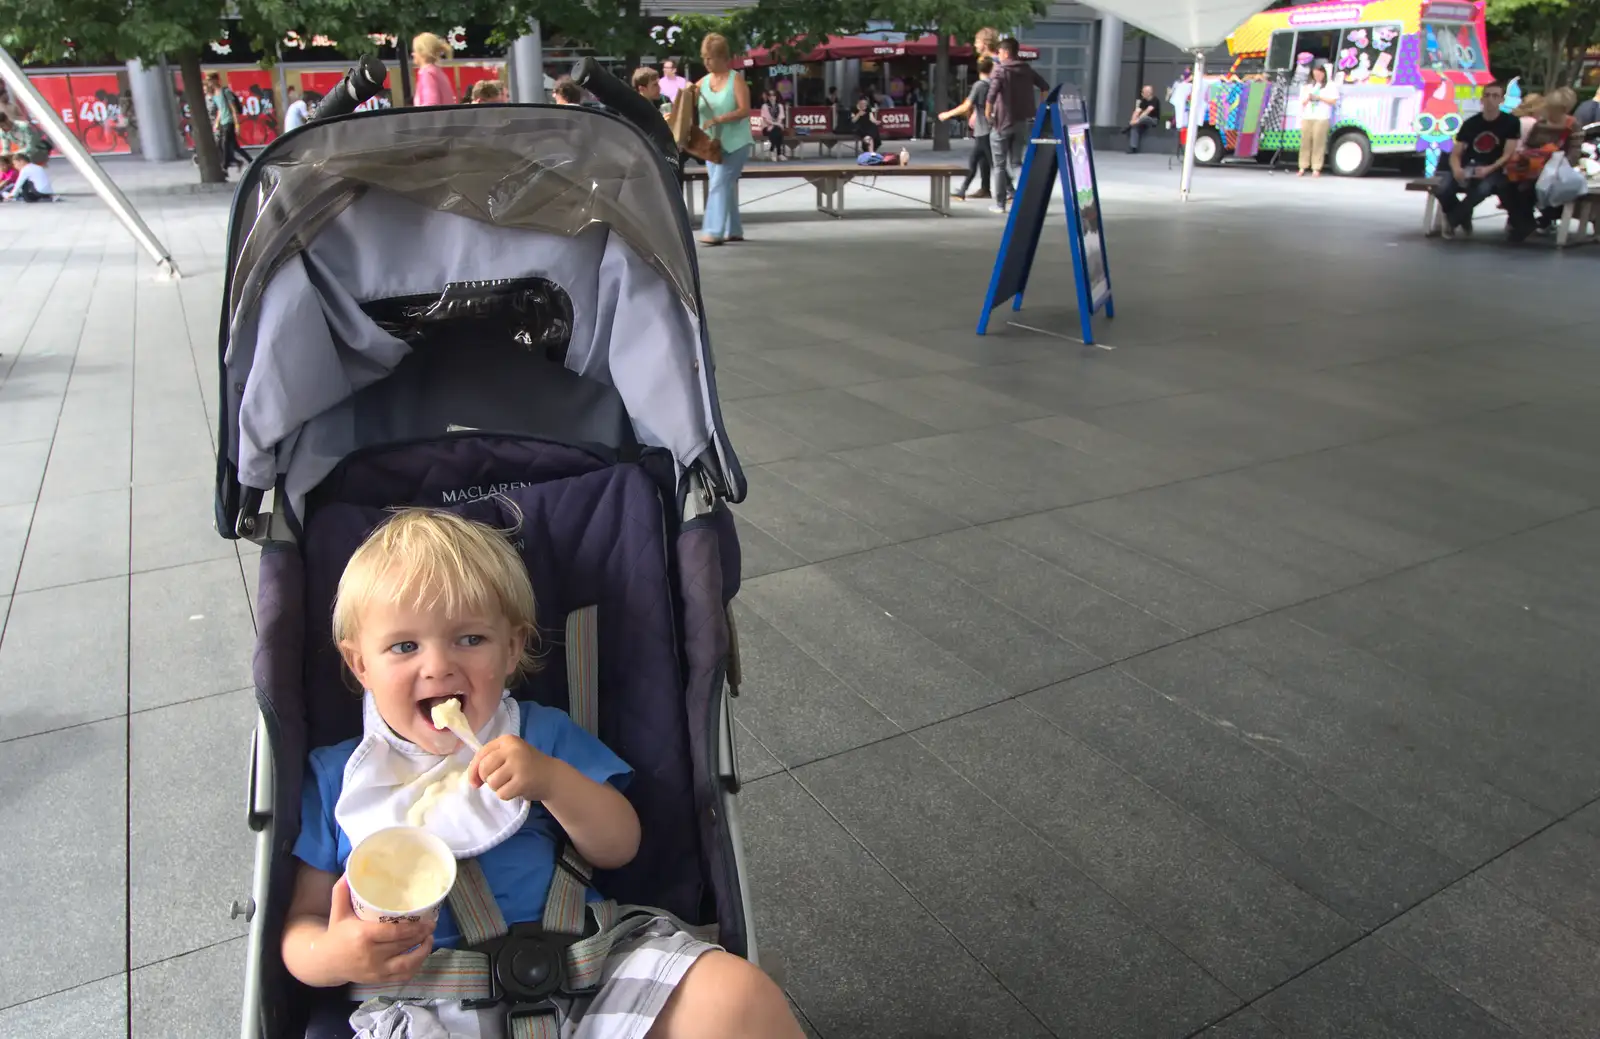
pixel 428 212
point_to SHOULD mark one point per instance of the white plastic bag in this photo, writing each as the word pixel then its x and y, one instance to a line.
pixel 1559 183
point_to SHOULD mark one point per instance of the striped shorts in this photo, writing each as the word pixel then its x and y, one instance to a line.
pixel 638 977
pixel 636 980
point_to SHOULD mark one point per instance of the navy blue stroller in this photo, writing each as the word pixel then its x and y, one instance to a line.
pixel 472 308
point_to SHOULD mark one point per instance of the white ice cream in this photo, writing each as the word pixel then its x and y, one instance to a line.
pixel 401 871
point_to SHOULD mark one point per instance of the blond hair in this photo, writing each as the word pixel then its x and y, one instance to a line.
pixel 988 39
pixel 1566 97
pixel 431 46
pixel 430 560
pixel 715 45
pixel 1532 104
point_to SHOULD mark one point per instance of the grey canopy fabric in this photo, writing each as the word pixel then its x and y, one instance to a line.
pixel 404 204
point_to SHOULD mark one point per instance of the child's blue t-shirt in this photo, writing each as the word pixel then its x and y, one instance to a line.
pixel 519 869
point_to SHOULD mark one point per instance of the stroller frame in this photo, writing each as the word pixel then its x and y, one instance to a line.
pixel 705 487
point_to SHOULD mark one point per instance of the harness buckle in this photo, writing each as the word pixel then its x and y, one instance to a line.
pixel 527 965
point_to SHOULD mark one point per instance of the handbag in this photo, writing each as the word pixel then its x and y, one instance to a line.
pixel 684 122
pixel 1559 183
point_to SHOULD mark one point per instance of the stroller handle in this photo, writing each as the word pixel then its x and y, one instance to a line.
pixel 358 86
pixel 626 102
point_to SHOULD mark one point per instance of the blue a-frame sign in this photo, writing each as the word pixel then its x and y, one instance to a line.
pixel 1060 146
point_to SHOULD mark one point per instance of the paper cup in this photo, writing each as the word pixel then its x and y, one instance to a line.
pixel 400 873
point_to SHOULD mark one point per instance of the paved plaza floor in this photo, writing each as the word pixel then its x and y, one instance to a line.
pixel 1236 681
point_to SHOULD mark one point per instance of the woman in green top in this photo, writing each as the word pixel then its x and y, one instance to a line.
pixel 725 116
pixel 21 137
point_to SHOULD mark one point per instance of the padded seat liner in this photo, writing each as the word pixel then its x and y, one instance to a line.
pixel 593 538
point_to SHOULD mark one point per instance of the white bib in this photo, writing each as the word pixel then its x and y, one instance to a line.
pixel 391 782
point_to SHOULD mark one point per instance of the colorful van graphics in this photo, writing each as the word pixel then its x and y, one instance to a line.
pixel 1409 72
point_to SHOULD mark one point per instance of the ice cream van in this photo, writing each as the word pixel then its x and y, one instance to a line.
pixel 1409 72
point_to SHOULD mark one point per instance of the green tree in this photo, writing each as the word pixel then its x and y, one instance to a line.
pixel 52 30
pixel 1543 40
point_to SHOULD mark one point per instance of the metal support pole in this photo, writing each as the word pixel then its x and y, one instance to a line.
pixel 527 64
pixel 73 149
pixel 1197 99
pixel 1108 75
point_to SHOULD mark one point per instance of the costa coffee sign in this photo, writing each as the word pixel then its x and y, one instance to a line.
pixel 816 118
pixel 896 122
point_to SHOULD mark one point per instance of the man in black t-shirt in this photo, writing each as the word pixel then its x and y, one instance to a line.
pixel 1482 148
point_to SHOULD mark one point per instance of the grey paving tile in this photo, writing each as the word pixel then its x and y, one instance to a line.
pixel 1556 767
pixel 1247 925
pixel 1242 1024
pixel 192 634
pixel 97 1008
pixel 760 552
pixel 173 524
pixel 76 539
pixel 762 373
pixel 190 854
pixel 22 470
pixel 1363 868
pixel 930 480
pixel 1071 381
pixel 14 523
pixel 84 624
pixel 1033 472
pixel 754 760
pixel 840 927
pixel 1179 598
pixel 168 451
pixel 899 672
pixel 1247 553
pixel 29 420
pixel 759 441
pixel 1431 765
pixel 1509 958
pixel 1106 626
pixel 1084 436
pixel 896 515
pixel 193 996
pixel 1006 647
pixel 834 420
pixel 1556 871
pixel 805 525
pixel 85 463
pixel 1081 962
pixel 793 704
pixel 62 811
pixel 100 410
pixel 1371 991
pixel 945 403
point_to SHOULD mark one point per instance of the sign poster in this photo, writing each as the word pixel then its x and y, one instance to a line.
pixel 100 123
pixel 258 124
pixel 1086 199
pixel 58 95
pixel 1059 148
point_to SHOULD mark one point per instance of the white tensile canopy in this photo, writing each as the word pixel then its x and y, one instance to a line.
pixel 1193 25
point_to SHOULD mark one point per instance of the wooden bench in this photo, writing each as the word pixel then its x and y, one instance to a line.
pixel 829 178
pixel 826 143
pixel 1585 210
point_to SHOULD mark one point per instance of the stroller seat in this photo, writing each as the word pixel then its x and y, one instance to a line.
pixel 492 311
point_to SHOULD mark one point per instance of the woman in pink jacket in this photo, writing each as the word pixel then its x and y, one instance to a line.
pixel 433 83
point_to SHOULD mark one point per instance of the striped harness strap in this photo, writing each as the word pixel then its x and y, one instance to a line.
pixel 467 974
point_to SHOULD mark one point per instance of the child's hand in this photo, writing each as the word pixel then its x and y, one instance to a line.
pixel 369 952
pixel 511 768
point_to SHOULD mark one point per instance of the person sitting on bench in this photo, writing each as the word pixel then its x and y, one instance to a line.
pixel 1486 142
pixel 868 131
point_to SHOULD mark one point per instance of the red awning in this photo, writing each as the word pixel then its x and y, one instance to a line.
pixel 842 47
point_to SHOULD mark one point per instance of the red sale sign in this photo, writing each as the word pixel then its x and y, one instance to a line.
pixel 258 116
pixel 57 93
pixel 100 124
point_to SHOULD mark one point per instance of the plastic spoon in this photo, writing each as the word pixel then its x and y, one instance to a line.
pixel 448 715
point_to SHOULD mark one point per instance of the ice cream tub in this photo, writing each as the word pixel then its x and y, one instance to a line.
pixel 400 873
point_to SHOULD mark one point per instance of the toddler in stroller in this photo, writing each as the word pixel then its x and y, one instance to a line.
pixel 432 607
pixel 540 364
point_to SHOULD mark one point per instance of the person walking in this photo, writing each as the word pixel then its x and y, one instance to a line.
pixel 1317 99
pixel 225 123
pixel 433 83
pixel 725 117
pixel 979 165
pixel 1011 106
